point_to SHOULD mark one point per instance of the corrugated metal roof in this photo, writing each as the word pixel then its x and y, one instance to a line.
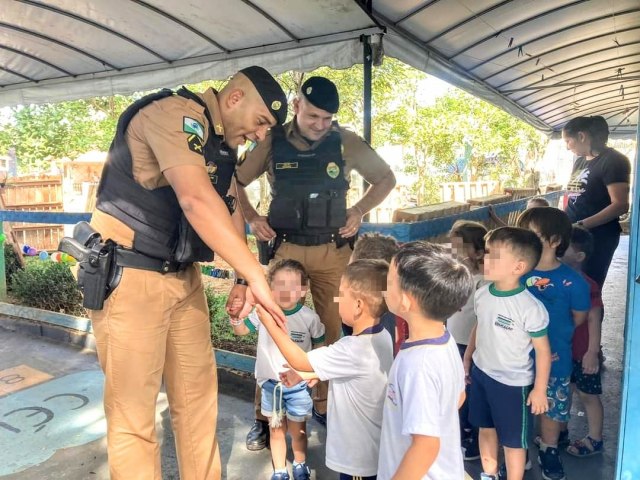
pixel 554 59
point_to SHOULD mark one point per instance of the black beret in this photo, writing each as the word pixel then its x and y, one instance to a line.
pixel 270 90
pixel 322 93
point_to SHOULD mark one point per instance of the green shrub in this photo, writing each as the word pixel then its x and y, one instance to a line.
pixel 49 286
pixel 221 331
pixel 11 263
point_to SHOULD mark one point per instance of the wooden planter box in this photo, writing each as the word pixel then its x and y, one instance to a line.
pixel 418 214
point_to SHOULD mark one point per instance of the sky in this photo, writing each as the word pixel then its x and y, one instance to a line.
pixel 430 89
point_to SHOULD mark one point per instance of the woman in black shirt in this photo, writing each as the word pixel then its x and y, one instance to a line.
pixel 599 189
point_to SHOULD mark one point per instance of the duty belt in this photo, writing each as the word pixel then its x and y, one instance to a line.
pixel 313 240
pixel 131 259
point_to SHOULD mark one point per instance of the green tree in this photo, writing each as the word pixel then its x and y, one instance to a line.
pixel 42 133
pixel 434 137
pixel 461 130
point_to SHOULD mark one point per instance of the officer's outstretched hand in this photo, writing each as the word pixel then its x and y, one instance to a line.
pixel 261 229
pixel 260 294
pixel 354 219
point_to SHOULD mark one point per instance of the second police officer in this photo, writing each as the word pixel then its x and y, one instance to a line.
pixel 308 162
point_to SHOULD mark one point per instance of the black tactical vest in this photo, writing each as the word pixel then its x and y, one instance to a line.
pixel 160 228
pixel 309 192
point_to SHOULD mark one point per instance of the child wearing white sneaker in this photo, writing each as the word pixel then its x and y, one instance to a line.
pixel 356 367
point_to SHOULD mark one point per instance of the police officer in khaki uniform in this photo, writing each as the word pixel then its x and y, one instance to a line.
pixel 308 162
pixel 165 199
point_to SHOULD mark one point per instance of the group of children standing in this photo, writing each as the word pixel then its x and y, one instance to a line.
pixel 522 355
pixel 510 308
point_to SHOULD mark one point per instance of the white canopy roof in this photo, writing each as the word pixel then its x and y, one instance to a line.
pixel 63 49
pixel 543 61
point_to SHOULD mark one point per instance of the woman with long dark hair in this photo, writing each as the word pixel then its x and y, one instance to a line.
pixel 599 189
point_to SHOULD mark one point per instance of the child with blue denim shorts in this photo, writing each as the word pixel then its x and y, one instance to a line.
pixel 565 294
pixel 356 367
pixel 287 408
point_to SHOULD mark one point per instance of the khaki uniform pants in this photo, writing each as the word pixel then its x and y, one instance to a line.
pixel 156 327
pixel 325 265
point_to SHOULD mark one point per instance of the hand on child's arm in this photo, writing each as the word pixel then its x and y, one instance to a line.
pixel 590 363
pixel 419 457
pixel 263 300
pixel 538 401
pixel 291 377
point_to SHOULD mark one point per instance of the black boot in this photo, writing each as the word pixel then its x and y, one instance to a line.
pixel 258 436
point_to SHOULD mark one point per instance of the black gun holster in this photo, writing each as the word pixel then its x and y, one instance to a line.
pixel 267 250
pixel 98 271
pixel 99 275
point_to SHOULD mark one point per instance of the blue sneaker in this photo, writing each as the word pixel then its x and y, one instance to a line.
pixel 280 476
pixel 550 464
pixel 301 472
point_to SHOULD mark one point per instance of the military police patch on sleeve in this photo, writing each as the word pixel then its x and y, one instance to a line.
pixel 195 144
pixel 189 125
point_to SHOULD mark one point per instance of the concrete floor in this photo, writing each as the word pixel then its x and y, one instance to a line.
pixel 66 383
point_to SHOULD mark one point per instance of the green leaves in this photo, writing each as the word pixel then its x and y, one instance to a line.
pixel 43 133
pixel 47 285
pixel 452 137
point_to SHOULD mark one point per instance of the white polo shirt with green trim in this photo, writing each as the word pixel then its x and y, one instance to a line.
pixel 305 329
pixel 507 320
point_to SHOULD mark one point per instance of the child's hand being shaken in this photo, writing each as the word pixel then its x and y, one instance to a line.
pixel 538 401
pixel 291 378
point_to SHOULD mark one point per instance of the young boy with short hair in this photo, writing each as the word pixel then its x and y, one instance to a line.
pixel 374 246
pixel 511 324
pixel 420 429
pixel 565 294
pixel 586 349
pixel 286 407
pixel 356 367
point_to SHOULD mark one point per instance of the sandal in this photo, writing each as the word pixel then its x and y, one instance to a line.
pixel 585 447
